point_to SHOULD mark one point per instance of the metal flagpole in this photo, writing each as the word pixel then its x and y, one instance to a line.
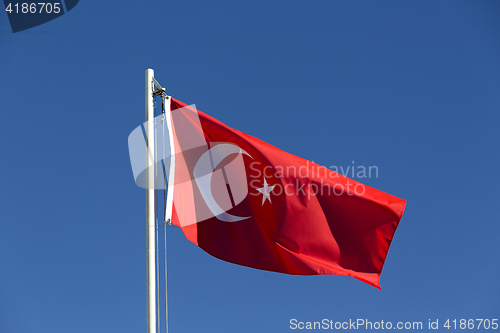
pixel 150 204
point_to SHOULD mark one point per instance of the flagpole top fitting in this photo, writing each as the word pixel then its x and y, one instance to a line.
pixel 159 91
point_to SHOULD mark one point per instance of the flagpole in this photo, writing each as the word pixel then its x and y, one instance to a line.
pixel 150 205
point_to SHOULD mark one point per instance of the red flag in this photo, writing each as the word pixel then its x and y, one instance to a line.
pixel 247 202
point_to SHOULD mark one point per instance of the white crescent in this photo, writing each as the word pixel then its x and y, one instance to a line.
pixel 203 171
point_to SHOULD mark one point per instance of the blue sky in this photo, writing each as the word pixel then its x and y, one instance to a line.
pixel 411 87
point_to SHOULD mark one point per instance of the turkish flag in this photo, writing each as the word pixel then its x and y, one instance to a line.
pixel 245 201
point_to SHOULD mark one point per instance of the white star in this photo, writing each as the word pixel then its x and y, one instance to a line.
pixel 266 192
